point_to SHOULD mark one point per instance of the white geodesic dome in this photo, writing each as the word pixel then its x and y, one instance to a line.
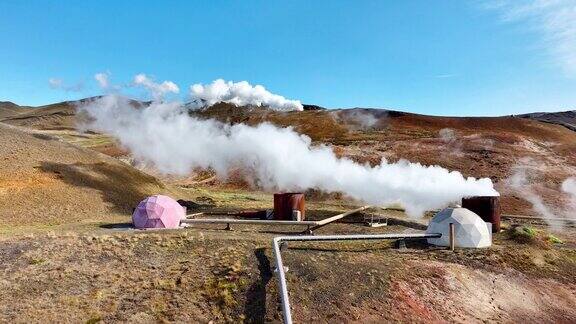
pixel 470 231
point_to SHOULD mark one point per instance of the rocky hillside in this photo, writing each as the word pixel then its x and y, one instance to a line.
pixel 477 146
pixel 564 118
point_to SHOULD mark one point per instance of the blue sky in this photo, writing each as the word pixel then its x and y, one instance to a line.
pixel 441 57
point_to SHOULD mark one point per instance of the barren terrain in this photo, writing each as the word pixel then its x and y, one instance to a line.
pixel 204 274
pixel 66 254
pixel 476 146
pixel 44 181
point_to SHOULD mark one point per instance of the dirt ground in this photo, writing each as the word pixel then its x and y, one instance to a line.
pixel 206 274
pixel 66 255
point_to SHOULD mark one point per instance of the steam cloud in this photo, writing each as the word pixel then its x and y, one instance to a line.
pixel 273 158
pixel 520 182
pixel 356 119
pixel 158 90
pixel 58 84
pixel 569 187
pixel 240 94
pixel 103 79
pixel 447 135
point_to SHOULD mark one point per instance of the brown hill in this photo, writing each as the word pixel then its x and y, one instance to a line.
pixel 564 118
pixel 204 274
pixel 46 181
pixel 476 146
pixel 9 109
pixel 55 116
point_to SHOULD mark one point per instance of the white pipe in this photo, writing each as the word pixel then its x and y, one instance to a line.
pixel 539 218
pixel 246 221
pixel 452 238
pixel 340 216
pixel 272 222
pixel 284 298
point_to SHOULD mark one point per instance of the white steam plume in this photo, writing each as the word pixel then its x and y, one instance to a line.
pixel 240 94
pixel 158 90
pixel 103 79
pixel 272 158
pixel 569 187
pixel 520 182
pixel 447 135
pixel 356 119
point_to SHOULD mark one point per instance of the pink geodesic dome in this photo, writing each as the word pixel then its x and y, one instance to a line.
pixel 158 212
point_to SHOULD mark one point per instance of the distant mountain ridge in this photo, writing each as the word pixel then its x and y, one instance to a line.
pixel 564 118
pixel 11 112
pixel 475 146
pixel 8 109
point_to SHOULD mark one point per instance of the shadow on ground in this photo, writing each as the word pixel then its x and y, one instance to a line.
pixel 255 309
pixel 118 226
pixel 122 187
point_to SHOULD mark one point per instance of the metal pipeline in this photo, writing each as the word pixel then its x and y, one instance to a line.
pixel 310 224
pixel 246 221
pixel 284 298
pixel 340 216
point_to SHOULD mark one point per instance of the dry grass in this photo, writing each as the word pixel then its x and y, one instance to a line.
pixel 60 262
pixel 199 275
pixel 46 182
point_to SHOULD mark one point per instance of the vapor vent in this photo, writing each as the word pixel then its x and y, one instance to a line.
pixel 520 182
pixel 240 94
pixel 569 187
pixel 447 135
pixel 358 119
pixel 166 136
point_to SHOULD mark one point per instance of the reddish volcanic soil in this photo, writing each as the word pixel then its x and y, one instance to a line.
pixel 64 257
pixel 476 146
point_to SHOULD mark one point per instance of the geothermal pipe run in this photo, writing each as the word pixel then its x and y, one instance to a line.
pixel 277 241
pixel 311 224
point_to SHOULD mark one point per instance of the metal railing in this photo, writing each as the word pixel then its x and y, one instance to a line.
pixel 312 225
pixel 277 241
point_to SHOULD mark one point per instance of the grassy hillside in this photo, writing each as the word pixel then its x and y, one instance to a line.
pixel 44 181
pixel 477 146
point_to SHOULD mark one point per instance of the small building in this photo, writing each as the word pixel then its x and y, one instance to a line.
pixel 470 231
pixel 158 212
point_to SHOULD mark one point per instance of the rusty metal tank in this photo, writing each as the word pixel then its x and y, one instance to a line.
pixel 286 203
pixel 487 207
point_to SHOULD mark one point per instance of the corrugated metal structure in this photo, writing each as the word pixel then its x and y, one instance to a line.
pixel 487 207
pixel 286 203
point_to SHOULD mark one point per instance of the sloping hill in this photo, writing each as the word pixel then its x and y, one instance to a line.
pixel 55 116
pixel 9 109
pixel 564 118
pixel 46 181
pixel 477 146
